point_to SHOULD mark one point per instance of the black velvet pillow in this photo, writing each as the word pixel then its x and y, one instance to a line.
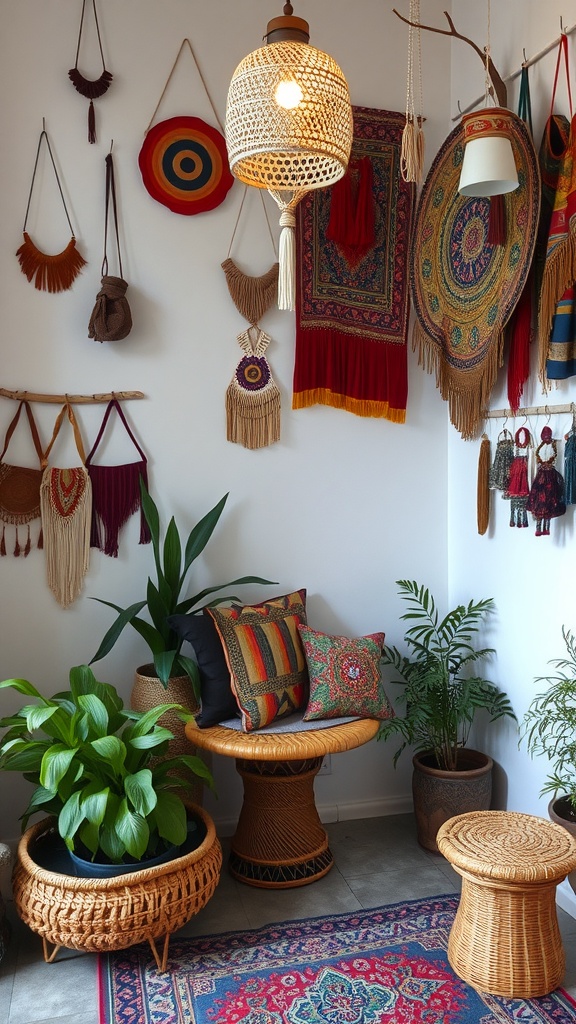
pixel 217 702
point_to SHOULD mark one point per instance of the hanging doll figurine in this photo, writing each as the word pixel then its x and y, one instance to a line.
pixel 519 484
pixel 546 498
pixel 500 470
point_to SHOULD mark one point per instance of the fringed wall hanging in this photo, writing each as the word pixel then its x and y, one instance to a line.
pixel 352 290
pixel 115 492
pixel 252 397
pixel 570 463
pixel 412 154
pixel 520 478
pixel 50 273
pixel 111 318
pixel 557 309
pixel 20 489
pixel 95 88
pixel 66 506
pixel 183 160
pixel 546 499
pixel 464 289
pixel 483 486
pixel 500 469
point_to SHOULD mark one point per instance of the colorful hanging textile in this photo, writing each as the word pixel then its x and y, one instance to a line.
pixel 519 482
pixel 499 476
pixel 115 492
pixel 66 507
pixel 352 289
pixel 20 488
pixel 50 273
pixel 570 463
pixel 463 288
pixel 92 89
pixel 546 499
pixel 557 309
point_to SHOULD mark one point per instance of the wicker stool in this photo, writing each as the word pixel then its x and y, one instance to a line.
pixel 505 938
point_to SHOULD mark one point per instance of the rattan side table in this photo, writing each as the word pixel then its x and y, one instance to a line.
pixel 280 841
pixel 505 939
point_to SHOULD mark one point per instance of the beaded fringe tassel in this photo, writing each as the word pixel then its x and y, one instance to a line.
pixel 287 260
pixel 253 419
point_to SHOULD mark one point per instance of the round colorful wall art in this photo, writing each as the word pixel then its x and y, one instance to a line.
pixel 184 165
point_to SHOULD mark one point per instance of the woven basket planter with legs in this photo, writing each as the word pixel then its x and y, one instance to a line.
pixel 104 914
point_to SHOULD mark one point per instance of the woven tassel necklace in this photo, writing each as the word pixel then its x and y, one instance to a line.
pixel 252 397
pixel 49 273
pixel 483 489
pixel 90 89
pixel 66 506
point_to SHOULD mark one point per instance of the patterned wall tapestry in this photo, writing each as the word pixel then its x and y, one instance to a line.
pixel 352 288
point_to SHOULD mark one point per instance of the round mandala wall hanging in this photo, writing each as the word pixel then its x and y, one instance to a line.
pixel 464 289
pixel 184 165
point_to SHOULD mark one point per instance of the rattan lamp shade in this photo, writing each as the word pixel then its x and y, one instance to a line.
pixel 288 147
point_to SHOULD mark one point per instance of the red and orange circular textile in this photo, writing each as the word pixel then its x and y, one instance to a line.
pixel 184 165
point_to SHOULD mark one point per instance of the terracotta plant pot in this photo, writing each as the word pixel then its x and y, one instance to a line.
pixel 438 795
pixel 560 811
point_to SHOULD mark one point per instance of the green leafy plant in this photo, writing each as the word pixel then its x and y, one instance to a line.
pixel 440 701
pixel 100 768
pixel 172 560
pixel 549 725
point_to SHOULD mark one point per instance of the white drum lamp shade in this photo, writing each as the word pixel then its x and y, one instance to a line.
pixel 489 167
pixel 288 125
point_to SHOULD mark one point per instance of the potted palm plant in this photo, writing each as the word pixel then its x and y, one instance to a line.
pixel 549 729
pixel 440 699
pixel 114 803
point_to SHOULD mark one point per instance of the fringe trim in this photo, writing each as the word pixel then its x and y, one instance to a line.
pixel 467 392
pixel 483 489
pixel 66 543
pixel 559 274
pixel 360 407
pixel 51 273
pixel 252 296
pixel 253 418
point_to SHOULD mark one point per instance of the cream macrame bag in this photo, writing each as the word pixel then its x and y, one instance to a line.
pixel 66 510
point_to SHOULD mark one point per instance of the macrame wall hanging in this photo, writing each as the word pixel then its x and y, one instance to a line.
pixel 252 397
pixel 546 499
pixel 66 507
pixel 115 492
pixel 50 273
pixel 483 486
pixel 183 160
pixel 90 89
pixel 111 318
pixel 412 153
pixel 20 489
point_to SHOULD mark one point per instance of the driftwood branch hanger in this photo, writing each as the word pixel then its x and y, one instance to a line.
pixel 33 396
pixel 498 83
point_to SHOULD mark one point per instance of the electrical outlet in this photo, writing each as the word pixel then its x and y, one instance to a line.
pixel 326 766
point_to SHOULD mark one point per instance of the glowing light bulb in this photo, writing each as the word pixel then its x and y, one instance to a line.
pixel 288 94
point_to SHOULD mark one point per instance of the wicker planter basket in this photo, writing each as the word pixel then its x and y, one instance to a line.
pixel 103 914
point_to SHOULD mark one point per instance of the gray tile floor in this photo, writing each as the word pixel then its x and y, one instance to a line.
pixel 378 861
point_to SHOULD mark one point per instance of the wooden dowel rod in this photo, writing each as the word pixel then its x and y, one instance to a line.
pixel 532 410
pixel 33 396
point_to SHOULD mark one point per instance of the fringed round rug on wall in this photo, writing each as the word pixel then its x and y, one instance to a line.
pixel 464 289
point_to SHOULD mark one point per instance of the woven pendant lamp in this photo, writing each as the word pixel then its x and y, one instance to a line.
pixel 288 126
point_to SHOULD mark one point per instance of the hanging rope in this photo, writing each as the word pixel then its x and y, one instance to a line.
pixel 412 152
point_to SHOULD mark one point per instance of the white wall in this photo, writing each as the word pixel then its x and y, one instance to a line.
pixel 530 578
pixel 343 506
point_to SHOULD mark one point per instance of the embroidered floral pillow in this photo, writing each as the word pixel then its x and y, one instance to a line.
pixel 345 677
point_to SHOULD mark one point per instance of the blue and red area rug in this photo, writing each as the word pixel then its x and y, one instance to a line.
pixel 384 966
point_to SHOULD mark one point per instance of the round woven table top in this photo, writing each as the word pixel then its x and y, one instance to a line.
pixel 283 746
pixel 508 846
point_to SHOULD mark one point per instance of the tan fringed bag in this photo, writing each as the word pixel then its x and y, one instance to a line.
pixel 66 507
pixel 20 489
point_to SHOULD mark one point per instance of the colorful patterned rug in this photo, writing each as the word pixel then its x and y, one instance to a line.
pixel 381 966
pixel 352 283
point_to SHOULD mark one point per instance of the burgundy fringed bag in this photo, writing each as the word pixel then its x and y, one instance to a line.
pixel 115 492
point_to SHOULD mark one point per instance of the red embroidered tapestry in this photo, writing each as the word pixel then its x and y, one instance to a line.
pixel 352 279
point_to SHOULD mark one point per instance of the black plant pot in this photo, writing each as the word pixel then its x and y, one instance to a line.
pixel 439 795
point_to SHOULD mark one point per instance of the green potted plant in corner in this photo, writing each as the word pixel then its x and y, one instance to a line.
pixel 170 675
pixel 115 803
pixel 549 728
pixel 440 700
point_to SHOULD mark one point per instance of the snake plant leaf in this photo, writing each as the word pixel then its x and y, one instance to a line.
pixel 125 615
pixel 200 535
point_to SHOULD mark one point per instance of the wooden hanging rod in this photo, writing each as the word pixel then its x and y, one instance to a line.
pixel 33 396
pixel 532 410
pixel 525 64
